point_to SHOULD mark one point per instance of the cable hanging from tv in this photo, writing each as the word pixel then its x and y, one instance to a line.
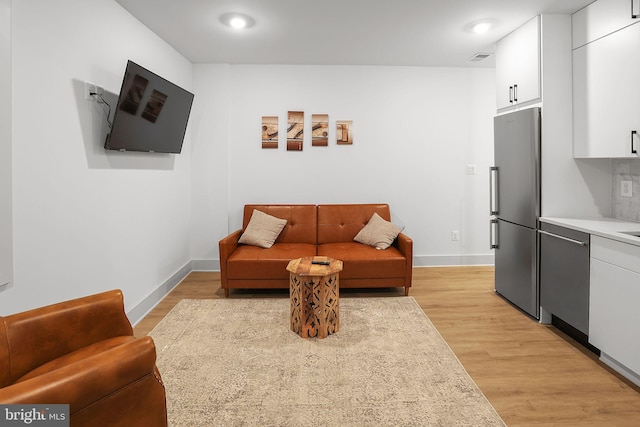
pixel 103 101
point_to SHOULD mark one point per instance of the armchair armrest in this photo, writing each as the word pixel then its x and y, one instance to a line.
pixel 38 336
pixel 87 381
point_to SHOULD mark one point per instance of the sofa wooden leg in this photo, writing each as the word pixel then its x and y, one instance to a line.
pixel 226 292
pixel 406 291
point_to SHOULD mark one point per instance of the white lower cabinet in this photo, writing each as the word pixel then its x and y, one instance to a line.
pixel 614 318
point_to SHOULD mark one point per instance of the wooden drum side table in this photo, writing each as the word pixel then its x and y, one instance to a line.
pixel 314 292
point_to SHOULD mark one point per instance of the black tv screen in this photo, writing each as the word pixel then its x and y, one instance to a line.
pixel 151 114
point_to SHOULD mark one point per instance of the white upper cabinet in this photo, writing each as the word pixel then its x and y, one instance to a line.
pixel 606 84
pixel 518 66
pixel 601 18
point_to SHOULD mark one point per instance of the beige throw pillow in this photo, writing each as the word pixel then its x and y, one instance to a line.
pixel 378 233
pixel 262 230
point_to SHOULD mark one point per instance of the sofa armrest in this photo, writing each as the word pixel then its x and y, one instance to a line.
pixel 38 336
pixel 226 247
pixel 87 381
pixel 405 245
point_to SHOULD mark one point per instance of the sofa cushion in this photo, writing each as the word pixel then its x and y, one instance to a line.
pixel 378 233
pixel 262 230
pixel 302 221
pixel 363 261
pixel 251 262
pixel 341 223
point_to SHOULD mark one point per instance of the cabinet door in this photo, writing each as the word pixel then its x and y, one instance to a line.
pixel 518 66
pixel 564 275
pixel 601 18
pixel 613 313
pixel 504 72
pixel 527 67
pixel 606 95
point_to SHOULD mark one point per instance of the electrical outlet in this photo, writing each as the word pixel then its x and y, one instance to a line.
pixel 626 188
pixel 89 88
pixel 471 169
pixel 455 235
pixel 92 88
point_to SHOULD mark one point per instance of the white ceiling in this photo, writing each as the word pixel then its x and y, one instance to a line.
pixel 347 32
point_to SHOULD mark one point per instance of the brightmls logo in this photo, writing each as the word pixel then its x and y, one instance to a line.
pixel 36 415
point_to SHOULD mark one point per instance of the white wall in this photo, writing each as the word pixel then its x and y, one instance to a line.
pixel 6 231
pixel 570 187
pixel 415 130
pixel 209 159
pixel 86 220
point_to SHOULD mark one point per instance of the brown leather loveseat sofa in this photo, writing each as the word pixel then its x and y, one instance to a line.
pixel 82 353
pixel 310 230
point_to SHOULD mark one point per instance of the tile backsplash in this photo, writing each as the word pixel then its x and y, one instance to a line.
pixel 625 208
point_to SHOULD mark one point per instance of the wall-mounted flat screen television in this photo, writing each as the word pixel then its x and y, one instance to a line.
pixel 151 114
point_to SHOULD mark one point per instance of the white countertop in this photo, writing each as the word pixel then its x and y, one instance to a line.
pixel 609 228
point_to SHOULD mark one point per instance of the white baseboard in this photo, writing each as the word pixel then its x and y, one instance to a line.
pixel 138 312
pixel 205 265
pixel 619 367
pixel 5 286
pixel 418 261
pixel 451 260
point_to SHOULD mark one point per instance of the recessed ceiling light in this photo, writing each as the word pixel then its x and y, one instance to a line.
pixel 237 21
pixel 480 26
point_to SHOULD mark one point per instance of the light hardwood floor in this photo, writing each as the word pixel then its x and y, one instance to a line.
pixel 534 375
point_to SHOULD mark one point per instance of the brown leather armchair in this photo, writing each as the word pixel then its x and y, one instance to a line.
pixel 82 353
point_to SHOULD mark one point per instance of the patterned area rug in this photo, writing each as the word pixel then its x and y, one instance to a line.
pixel 234 362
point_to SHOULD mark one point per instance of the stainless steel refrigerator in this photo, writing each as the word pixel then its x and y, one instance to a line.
pixel 515 207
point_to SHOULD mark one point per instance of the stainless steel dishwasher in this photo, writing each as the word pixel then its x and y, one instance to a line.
pixel 564 277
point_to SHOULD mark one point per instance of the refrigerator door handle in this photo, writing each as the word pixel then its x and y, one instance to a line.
pixel 634 134
pixel 493 190
pixel 493 234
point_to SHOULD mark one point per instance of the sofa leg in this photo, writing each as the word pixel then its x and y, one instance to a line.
pixel 406 291
pixel 226 292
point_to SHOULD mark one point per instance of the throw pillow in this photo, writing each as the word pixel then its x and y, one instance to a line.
pixel 378 233
pixel 262 230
